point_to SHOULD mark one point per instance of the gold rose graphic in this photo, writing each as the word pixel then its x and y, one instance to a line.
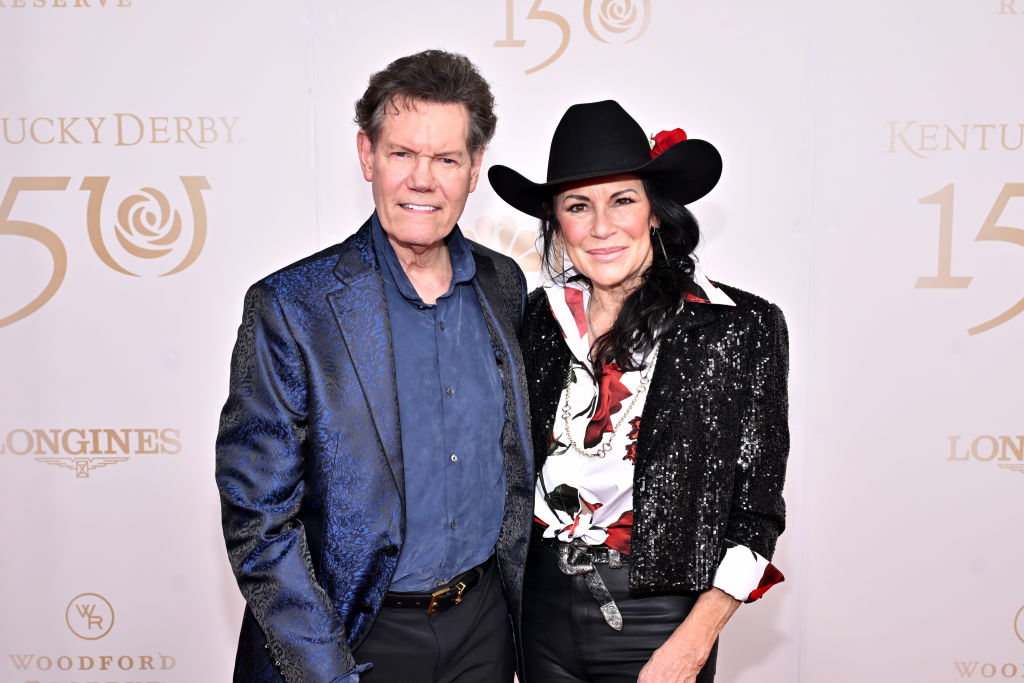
pixel 617 21
pixel 507 238
pixel 147 226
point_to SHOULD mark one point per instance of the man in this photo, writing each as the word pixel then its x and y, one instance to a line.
pixel 373 456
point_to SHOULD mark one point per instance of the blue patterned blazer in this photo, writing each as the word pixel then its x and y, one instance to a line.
pixel 309 458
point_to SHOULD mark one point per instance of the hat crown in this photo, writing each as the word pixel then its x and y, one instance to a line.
pixel 596 138
pixel 599 139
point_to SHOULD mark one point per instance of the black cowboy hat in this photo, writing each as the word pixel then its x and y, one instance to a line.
pixel 597 139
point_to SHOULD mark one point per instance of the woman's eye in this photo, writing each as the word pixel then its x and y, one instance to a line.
pixel 624 200
pixel 577 208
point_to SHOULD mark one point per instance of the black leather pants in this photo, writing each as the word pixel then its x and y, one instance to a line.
pixel 566 639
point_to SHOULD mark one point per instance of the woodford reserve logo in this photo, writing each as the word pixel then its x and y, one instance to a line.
pixel 146 234
pixel 1012 668
pixel 89 616
pixel 83 450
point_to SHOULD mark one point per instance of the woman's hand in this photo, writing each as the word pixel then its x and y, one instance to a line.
pixel 682 656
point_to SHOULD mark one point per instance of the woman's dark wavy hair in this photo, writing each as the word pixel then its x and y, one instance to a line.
pixel 647 311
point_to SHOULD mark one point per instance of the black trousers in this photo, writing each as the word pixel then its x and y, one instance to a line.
pixel 566 640
pixel 469 643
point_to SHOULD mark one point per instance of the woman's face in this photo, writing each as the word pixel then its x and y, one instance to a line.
pixel 605 224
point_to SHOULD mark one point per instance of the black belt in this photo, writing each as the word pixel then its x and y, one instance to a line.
pixel 445 597
pixel 576 558
pixel 599 554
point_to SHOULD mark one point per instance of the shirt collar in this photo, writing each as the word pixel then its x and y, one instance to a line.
pixel 569 305
pixel 459 251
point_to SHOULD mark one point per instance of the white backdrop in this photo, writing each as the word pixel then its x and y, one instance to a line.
pixel 156 157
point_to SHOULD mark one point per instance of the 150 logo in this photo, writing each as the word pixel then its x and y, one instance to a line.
pixel 609 21
pixel 148 235
pixel 990 231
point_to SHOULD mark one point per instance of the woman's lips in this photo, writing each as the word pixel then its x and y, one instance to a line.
pixel 605 253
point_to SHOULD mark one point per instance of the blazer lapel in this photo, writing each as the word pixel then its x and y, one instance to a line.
pixel 361 312
pixel 486 284
pixel 503 325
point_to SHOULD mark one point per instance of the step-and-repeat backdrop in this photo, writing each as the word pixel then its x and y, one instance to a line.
pixel 156 157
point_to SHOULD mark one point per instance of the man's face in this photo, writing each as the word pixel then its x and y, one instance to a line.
pixel 421 172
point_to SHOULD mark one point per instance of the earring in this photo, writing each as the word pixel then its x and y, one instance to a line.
pixel 654 232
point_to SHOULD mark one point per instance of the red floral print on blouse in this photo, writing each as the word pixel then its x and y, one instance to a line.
pixel 610 395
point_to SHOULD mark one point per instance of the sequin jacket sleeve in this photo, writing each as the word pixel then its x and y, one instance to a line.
pixel 714 439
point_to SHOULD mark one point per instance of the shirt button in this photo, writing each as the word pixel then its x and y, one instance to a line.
pixel 391 550
pixel 450 391
pixel 453 525
pixel 455 458
pixel 441 325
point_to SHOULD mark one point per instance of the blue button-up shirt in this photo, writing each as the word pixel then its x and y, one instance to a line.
pixel 451 409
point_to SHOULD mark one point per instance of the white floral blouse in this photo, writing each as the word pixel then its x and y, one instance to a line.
pixel 585 489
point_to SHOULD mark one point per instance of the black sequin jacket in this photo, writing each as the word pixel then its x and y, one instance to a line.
pixel 713 442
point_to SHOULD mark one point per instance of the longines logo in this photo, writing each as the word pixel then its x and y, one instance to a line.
pixel 84 450
pixel 1003 450
pixel 1008 669
pixel 89 616
pixel 923 139
pixel 607 21
pixel 145 235
pixel 118 130
pixel 98 4
pixel 509 239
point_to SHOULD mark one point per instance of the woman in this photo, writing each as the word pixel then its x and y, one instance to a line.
pixel 659 413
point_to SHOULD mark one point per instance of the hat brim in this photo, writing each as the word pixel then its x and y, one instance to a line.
pixel 685 172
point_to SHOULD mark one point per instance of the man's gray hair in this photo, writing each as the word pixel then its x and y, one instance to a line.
pixel 429 76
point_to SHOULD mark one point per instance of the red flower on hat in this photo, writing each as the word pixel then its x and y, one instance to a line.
pixel 665 139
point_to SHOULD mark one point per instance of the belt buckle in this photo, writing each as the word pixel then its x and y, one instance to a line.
pixel 459 587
